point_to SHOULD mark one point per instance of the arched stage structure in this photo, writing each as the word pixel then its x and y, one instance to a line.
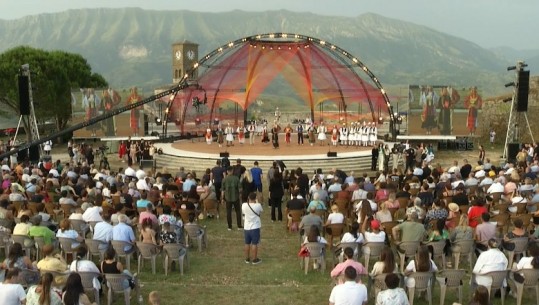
pixel 238 72
pixel 316 70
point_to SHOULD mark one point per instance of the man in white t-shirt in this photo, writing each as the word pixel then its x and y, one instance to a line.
pixel 251 211
pixel 349 292
pixel 11 292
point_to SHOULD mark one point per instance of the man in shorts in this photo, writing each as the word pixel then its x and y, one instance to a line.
pixel 251 211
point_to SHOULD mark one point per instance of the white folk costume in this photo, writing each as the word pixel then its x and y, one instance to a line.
pixel 334 135
pixel 229 131
pixel 365 134
pixel 208 136
pixel 322 134
pixel 352 134
pixel 252 133
pixel 241 134
pixel 373 134
pixel 343 134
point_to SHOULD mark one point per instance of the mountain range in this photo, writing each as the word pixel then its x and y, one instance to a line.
pixel 132 46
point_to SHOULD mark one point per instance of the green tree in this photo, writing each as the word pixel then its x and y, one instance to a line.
pixel 54 73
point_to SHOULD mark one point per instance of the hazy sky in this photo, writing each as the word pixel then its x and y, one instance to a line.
pixel 489 23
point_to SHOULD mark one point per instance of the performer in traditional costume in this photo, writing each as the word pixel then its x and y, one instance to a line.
pixel 444 117
pixel 473 102
pixel 299 130
pixel 208 136
pixel 265 136
pixel 322 129
pixel 373 134
pixel 365 134
pixel 334 135
pixel 91 103
pixel 428 101
pixel 111 98
pixel 275 135
pixel 343 134
pixel 455 98
pixel 310 132
pixel 241 134
pixel 229 131
pixel 381 157
pixel 135 112
pixel 287 134
pixel 252 132
pixel 220 135
pixel 352 134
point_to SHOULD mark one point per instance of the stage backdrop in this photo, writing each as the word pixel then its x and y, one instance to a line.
pixel 443 110
pixel 91 102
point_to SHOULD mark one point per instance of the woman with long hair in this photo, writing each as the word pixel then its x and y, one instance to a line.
pixel 247 185
pixel 421 263
pixel 73 293
pixel 43 293
pixel 386 264
pixel 16 259
pixel 147 234
pixel 364 211
pixel 480 296
pixel 112 266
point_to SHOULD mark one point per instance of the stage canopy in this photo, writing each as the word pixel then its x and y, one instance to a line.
pixel 317 71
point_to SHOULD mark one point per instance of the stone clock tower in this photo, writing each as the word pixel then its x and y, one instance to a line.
pixel 184 56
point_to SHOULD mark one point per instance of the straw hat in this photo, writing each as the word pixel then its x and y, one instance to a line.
pixel 453 207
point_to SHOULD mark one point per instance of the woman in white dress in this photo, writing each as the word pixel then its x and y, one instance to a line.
pixel 343 134
pixel 229 131
pixel 381 157
pixel 322 134
pixel 208 136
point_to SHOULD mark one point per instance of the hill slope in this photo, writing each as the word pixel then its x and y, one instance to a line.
pixel 131 46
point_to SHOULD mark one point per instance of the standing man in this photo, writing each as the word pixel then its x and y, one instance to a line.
pixel 252 224
pixel 299 130
pixel 257 174
pixel 217 174
pixel 252 133
pixel 230 194
pixel 374 158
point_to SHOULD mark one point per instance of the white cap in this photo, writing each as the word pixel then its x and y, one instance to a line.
pixel 6 168
pixel 509 171
pixel 518 199
pixel 480 174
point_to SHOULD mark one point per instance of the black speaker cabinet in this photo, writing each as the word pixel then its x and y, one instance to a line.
pixel 469 145
pixel 34 154
pixel 224 154
pixel 22 155
pixel 332 154
pixel 148 164
pixel 523 90
pixel 512 151
pixel 24 95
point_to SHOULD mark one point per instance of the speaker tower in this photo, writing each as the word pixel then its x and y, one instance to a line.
pixel 523 91
pixel 24 95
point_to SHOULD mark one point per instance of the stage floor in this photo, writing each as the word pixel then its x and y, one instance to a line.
pixel 199 149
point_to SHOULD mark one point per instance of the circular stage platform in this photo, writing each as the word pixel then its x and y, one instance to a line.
pixel 197 155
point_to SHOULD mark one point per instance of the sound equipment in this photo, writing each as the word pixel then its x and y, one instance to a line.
pixel 24 95
pixel 224 154
pixel 469 145
pixel 148 164
pixel 512 151
pixel 332 154
pixel 22 155
pixel 145 124
pixel 523 90
pixel 34 154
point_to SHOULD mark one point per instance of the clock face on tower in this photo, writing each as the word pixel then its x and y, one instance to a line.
pixel 191 54
pixel 178 55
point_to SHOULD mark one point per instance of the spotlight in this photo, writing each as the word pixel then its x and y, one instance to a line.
pixel 158 121
pixel 511 68
pixel 510 84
